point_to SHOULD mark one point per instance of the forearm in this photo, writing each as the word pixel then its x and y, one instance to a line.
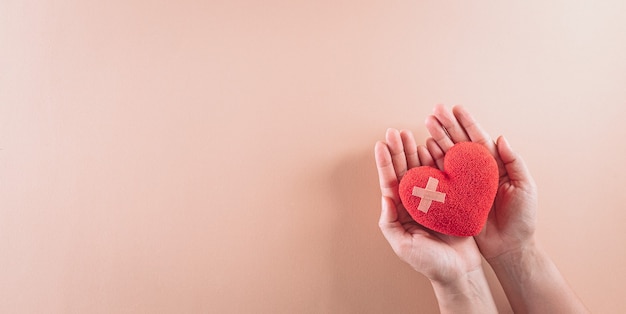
pixel 469 294
pixel 533 284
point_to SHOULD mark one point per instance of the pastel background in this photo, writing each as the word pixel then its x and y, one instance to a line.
pixel 217 156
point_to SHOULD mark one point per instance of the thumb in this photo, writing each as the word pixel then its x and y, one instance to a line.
pixel 515 167
pixel 389 224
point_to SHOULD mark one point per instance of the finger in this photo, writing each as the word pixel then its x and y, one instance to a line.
pixel 391 227
pixel 473 129
pixel 386 173
pixel 425 157
pixel 476 133
pixel 515 167
pixel 436 152
pixel 410 149
pixel 396 148
pixel 438 133
pixel 449 122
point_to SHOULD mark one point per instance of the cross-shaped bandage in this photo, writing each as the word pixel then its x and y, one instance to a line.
pixel 428 194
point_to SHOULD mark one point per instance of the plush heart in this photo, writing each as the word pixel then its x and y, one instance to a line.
pixel 457 200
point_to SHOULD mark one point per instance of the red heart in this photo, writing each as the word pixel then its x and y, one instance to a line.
pixel 469 182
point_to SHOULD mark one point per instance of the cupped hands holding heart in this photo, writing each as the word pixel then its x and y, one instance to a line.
pixel 439 214
pixel 450 188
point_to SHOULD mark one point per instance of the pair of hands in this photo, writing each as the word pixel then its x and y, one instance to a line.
pixel 445 259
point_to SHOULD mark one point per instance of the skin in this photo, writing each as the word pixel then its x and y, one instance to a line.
pixel 528 276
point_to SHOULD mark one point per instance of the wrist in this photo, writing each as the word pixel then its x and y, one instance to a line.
pixel 515 253
pixel 517 269
pixel 533 283
pixel 461 285
pixel 468 293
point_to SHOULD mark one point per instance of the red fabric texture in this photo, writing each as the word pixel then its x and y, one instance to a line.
pixel 470 182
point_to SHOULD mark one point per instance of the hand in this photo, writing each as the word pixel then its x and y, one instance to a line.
pixel 511 222
pixel 443 259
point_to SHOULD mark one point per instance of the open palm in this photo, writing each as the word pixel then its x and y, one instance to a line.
pixel 439 257
pixel 511 221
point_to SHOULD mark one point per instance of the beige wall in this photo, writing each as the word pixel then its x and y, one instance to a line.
pixel 216 156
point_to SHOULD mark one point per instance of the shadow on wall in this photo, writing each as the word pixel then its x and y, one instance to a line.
pixel 367 276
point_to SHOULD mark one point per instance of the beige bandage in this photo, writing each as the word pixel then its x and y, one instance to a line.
pixel 428 194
